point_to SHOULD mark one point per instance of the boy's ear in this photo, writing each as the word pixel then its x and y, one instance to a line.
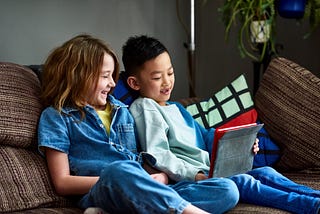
pixel 132 82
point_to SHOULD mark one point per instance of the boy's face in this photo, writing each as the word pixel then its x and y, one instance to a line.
pixel 98 96
pixel 156 79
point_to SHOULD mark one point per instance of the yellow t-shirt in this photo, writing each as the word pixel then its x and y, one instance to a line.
pixel 105 116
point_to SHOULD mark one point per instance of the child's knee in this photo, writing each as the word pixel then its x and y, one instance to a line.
pixel 262 171
pixel 232 191
pixel 120 169
pixel 242 179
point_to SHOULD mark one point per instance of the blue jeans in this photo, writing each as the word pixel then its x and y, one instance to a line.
pixel 265 186
pixel 124 187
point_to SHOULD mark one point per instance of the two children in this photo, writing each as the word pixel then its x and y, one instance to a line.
pixel 88 139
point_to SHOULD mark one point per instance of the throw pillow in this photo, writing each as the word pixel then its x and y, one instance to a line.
pixel 269 152
pixel 123 92
pixel 20 105
pixel 232 105
pixel 288 102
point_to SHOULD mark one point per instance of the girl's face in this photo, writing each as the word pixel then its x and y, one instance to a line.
pixel 98 96
pixel 156 79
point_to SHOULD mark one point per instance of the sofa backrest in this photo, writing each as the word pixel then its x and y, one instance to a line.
pixel 288 102
pixel 25 182
pixel 20 105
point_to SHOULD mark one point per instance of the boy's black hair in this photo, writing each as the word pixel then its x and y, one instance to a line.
pixel 139 49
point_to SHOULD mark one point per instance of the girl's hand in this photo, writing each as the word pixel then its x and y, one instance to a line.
pixel 200 176
pixel 160 177
pixel 255 148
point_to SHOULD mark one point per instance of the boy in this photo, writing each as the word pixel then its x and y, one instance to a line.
pixel 179 144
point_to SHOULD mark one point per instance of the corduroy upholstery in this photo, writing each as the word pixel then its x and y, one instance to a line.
pixel 20 106
pixel 24 182
pixel 288 102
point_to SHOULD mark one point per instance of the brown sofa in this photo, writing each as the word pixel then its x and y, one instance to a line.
pixel 25 185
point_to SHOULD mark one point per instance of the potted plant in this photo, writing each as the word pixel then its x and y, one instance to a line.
pixel 245 15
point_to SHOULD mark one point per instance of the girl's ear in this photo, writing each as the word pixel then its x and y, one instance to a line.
pixel 133 83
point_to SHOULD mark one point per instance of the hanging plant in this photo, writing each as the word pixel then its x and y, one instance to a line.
pixel 240 14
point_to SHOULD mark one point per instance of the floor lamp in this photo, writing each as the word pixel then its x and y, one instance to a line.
pixel 191 51
pixel 190 46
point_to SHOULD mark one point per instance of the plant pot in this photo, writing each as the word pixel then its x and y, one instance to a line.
pixel 293 9
pixel 260 31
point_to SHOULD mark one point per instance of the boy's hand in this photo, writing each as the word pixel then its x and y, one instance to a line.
pixel 160 177
pixel 255 148
pixel 200 176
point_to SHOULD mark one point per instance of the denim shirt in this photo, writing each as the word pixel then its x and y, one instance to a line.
pixel 86 141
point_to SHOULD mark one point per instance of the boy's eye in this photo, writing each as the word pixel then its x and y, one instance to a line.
pixel 156 78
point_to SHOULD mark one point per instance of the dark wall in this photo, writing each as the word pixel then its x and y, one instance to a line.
pixel 219 62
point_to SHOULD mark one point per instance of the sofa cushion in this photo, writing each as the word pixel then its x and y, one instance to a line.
pixel 54 210
pixel 288 102
pixel 25 182
pixel 269 152
pixel 19 105
pixel 231 106
pixel 123 92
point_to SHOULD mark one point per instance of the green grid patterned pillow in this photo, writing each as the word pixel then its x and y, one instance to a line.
pixel 225 105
